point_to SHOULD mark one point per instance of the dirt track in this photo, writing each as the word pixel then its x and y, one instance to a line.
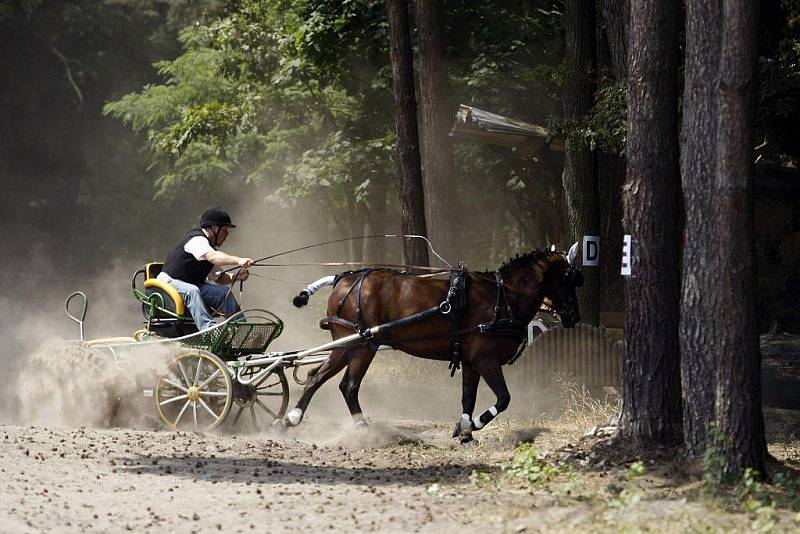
pixel 399 475
pixel 411 478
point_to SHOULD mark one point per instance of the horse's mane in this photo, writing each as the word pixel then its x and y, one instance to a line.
pixel 522 260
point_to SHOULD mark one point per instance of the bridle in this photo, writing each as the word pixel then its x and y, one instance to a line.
pixel 571 276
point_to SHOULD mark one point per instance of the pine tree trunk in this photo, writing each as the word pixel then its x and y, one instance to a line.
pixel 616 16
pixel 651 377
pixel 437 110
pixel 412 203
pixel 580 168
pixel 612 66
pixel 699 329
pixel 374 250
pixel 738 399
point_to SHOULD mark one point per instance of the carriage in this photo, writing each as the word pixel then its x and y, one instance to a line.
pixel 215 372
pixel 478 318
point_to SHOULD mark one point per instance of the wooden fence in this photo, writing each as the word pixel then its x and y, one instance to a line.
pixel 586 352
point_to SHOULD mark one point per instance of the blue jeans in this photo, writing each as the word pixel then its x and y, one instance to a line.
pixel 198 298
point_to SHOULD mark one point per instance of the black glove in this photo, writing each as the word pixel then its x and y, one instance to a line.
pixel 301 299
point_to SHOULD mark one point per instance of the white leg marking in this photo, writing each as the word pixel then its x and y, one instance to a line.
pixel 465 422
pixel 477 421
pixel 294 416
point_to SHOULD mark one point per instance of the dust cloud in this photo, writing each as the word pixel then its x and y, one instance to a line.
pixel 53 380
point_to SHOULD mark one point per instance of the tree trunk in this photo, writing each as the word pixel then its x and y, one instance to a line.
pixel 374 250
pixel 612 66
pixel 699 331
pixel 616 17
pixel 412 203
pixel 651 377
pixel 436 106
pixel 580 168
pixel 738 397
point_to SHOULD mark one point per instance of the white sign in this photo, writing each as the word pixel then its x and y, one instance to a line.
pixel 591 250
pixel 627 255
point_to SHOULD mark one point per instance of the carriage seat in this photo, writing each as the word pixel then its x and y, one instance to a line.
pixel 172 300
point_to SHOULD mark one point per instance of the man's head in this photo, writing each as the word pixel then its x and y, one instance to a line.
pixel 216 221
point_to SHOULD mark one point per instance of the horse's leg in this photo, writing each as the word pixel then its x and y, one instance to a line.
pixel 469 392
pixel 330 367
pixel 360 361
pixel 492 374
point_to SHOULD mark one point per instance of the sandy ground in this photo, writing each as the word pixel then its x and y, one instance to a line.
pixel 405 477
pixel 66 473
pixel 402 474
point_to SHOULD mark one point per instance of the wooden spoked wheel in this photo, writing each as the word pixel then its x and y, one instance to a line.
pixel 259 404
pixel 196 392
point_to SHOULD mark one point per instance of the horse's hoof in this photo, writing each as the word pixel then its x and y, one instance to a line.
pixel 294 417
pixel 279 425
pixel 466 437
pixel 361 424
pixel 463 425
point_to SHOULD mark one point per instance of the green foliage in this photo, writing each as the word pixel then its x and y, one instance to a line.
pixel 628 492
pixel 778 118
pixel 715 463
pixel 252 95
pixel 482 478
pixel 636 469
pixel 26 8
pixel 531 466
pixel 761 501
pixel 296 96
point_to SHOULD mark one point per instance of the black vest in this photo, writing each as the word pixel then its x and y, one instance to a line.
pixel 183 266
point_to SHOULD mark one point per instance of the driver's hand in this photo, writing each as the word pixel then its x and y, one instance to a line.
pixel 242 275
pixel 245 263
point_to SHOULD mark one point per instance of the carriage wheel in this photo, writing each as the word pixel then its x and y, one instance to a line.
pixel 261 403
pixel 196 393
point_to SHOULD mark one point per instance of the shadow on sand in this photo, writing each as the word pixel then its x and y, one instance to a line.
pixel 316 471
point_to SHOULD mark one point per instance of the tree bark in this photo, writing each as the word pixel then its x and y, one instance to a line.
pixel 651 412
pixel 412 203
pixel 580 167
pixel 616 16
pixel 699 330
pixel 373 250
pixel 612 66
pixel 738 391
pixel 437 109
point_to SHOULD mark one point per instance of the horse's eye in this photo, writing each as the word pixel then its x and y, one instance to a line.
pixel 573 277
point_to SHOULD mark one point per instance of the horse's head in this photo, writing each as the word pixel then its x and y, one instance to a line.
pixel 560 280
pixel 551 276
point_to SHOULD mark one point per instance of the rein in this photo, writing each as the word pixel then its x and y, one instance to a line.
pixel 357 238
pixel 401 266
pixel 503 322
pixel 257 263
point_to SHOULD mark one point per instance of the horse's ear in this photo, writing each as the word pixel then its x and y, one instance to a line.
pixel 572 254
pixel 553 247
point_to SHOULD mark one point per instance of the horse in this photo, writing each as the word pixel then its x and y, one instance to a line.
pixel 487 333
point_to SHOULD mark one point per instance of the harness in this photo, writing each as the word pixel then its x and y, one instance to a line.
pixel 503 323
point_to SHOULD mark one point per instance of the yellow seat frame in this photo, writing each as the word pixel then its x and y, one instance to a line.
pixel 180 307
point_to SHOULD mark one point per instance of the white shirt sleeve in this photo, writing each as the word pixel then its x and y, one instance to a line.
pixel 198 247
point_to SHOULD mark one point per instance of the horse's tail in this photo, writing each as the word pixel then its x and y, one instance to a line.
pixel 301 299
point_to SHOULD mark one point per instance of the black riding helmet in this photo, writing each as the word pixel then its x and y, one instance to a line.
pixel 215 217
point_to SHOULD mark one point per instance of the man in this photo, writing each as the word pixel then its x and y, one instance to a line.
pixel 193 263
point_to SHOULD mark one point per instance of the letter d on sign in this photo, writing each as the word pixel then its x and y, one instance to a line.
pixel 591 251
pixel 627 255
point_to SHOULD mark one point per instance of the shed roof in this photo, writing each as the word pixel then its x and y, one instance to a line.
pixel 479 126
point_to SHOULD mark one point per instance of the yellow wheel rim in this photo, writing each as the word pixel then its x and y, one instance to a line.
pixel 196 393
